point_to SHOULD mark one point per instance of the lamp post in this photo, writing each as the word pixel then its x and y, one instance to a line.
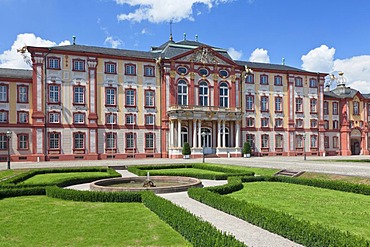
pixel 8 137
pixel 203 138
pixel 304 146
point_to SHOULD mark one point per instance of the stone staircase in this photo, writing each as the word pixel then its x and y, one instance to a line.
pixel 288 173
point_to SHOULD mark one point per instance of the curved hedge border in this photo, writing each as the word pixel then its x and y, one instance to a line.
pixel 14 182
pixel 235 171
pixel 278 222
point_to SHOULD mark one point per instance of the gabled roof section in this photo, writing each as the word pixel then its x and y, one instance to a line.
pixel 104 51
pixel 172 49
pixel 344 92
pixel 330 94
pixel 269 66
pixel 16 73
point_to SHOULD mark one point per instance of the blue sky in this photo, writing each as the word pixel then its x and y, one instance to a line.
pixel 316 35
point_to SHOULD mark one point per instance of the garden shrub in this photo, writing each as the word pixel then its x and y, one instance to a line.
pixel 92 196
pixel 13 192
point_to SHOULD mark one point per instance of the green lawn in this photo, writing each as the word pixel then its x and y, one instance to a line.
pixel 261 171
pixel 50 178
pixel 342 210
pixel 350 179
pixel 11 173
pixel 44 221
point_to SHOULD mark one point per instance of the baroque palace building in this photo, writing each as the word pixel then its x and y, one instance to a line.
pixel 85 102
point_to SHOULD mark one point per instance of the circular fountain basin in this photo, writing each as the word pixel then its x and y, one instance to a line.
pixel 164 184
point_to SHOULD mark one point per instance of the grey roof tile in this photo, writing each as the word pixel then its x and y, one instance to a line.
pixel 270 66
pixel 105 51
pixel 15 73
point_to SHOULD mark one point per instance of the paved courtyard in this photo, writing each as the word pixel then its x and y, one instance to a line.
pixel 296 163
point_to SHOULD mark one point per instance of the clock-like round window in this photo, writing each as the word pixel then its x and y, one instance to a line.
pixel 203 71
pixel 223 73
pixel 182 70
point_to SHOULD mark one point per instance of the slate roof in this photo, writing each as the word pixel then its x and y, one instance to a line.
pixel 105 51
pixel 15 73
pixel 342 92
pixel 269 66
pixel 169 50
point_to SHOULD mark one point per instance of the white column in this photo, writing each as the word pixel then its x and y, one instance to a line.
pixel 194 133
pixel 218 133
pixel 237 134
pixel 199 134
pixel 179 133
pixel 171 134
pixel 223 134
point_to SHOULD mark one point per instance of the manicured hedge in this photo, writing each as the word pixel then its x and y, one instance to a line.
pixel 197 232
pixel 92 196
pixel 281 223
pixel 4 193
pixel 15 181
pixel 155 171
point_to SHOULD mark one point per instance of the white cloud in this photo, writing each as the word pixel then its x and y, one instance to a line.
pixel 356 69
pixel 156 11
pixel 234 54
pixel 319 59
pixel 12 59
pixel 114 43
pixel 259 55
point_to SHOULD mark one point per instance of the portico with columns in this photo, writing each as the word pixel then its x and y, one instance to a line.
pixel 219 132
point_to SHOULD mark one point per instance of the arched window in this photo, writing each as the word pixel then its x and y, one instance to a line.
pixel 224 95
pixel 203 93
pixel 182 93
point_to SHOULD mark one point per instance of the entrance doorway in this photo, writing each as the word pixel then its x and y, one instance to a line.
pixel 355 146
pixel 207 140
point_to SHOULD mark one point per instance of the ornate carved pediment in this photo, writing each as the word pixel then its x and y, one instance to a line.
pixel 204 55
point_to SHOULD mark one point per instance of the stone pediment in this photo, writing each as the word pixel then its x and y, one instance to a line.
pixel 205 55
